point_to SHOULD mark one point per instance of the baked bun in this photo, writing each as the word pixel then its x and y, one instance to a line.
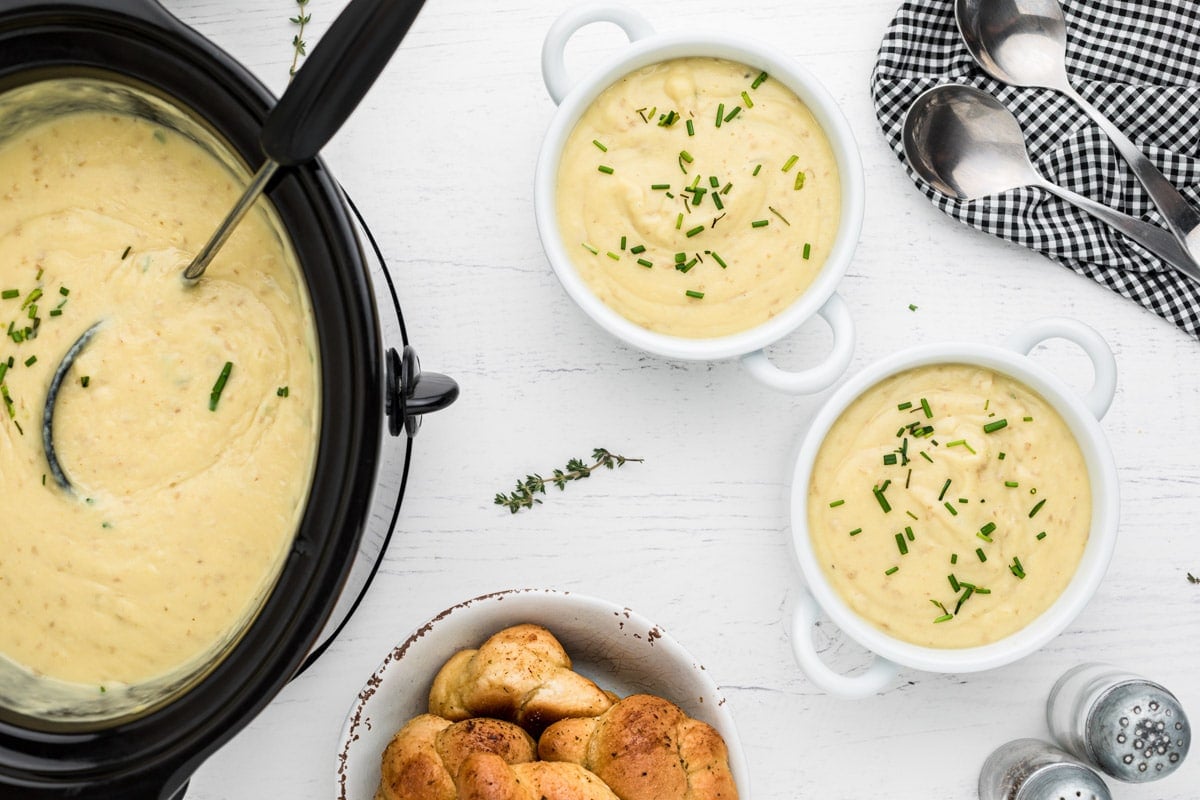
pixel 424 757
pixel 486 777
pixel 645 748
pixel 521 674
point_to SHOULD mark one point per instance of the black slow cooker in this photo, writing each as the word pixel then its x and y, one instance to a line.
pixel 370 392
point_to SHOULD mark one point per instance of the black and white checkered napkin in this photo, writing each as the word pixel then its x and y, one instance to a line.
pixel 1138 61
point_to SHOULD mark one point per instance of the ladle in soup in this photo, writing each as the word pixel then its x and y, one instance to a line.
pixel 333 81
pixel 56 470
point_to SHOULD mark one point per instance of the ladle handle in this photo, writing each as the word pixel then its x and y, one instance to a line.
pixel 1153 238
pixel 1181 217
pixel 335 77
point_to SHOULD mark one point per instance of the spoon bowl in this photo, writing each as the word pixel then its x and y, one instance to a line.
pixel 967 145
pixel 1024 43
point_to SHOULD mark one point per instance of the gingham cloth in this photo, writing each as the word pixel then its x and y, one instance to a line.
pixel 1138 61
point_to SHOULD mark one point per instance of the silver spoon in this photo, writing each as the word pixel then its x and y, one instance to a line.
pixel 967 145
pixel 1024 43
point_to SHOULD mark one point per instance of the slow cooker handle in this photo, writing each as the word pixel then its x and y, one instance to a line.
pixel 411 393
pixel 147 10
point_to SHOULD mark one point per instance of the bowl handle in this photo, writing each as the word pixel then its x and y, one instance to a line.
pixel 1104 365
pixel 836 313
pixel 851 687
pixel 554 68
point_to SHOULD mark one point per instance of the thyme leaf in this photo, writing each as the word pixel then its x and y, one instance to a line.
pixel 524 494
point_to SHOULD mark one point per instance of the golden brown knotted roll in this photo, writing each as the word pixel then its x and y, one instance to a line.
pixel 521 674
pixel 486 777
pixel 645 748
pixel 424 757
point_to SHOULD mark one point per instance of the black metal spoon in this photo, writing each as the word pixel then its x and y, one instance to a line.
pixel 330 85
pixel 56 470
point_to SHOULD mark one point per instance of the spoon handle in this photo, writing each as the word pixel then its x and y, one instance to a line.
pixel 1151 237
pixel 335 77
pixel 1180 216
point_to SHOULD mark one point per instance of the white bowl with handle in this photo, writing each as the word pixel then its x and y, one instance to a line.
pixel 647 47
pixel 1081 414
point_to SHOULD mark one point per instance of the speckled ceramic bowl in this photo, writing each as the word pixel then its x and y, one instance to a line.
pixel 618 649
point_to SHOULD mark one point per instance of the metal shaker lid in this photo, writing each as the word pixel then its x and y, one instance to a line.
pixel 1063 780
pixel 1137 732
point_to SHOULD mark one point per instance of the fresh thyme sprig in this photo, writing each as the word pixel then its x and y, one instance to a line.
pixel 299 46
pixel 524 495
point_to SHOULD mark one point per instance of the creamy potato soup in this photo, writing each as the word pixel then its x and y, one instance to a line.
pixel 185 494
pixel 698 197
pixel 949 505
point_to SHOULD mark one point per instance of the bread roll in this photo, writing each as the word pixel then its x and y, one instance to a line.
pixel 521 674
pixel 423 758
pixel 486 777
pixel 645 748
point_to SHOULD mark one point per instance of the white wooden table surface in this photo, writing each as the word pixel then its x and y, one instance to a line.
pixel 440 157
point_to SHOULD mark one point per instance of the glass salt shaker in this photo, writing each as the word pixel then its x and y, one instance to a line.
pixel 1030 769
pixel 1129 727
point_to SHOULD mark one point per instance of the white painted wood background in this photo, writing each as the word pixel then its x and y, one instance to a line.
pixel 440 157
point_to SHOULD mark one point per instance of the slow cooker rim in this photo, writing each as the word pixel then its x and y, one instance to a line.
pixel 315 558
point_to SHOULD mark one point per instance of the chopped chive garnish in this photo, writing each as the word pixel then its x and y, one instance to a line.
pixel 64 291
pixel 29 362
pixel 1041 536
pixel 781 216
pixel 713 181
pixel 613 256
pixel 979 552
pixel 988 528
pixel 720 114
pixel 856 532
pixel 623 242
pixel 963 443
pixel 791 162
pixel 799 184
pixel 807 251
pixel 954 558
pixel 1000 455
pixel 1027 419
pixel 760 223
pixel 901 544
pixel 889 459
pixel 914 516
pixel 967 592
pixel 736 110
pixel 691 128
pixel 963 500
pixel 590 249
pixel 1011 484
pixel 883 502
pixel 945 486
pixel 891 571
pixel 716 198
pixel 9 294
pixel 686 156
pixel 33 297
pixel 718 259
pixel 607 170
pixel 944 618
pixel 638 248
pixel 837 503
pixel 908 531
pixel 950 507
pixel 282 391
pixel 680 258
pixel 984 536
pixel 925 407
pixel 660 186
pixel 679 222
pixel 85 380
pixel 645 263
pixel 925 456
pixel 219 386
pixel 695 294
pixel 954 585
pixel 992 427
pixel 762 76
pixel 746 99
pixel 756 169
pixel 1016 569
pixel 125 254
pixel 725 189
pixel 694 231
pixel 684 268
pixel 597 142
pixel 1033 511
pixel 905 406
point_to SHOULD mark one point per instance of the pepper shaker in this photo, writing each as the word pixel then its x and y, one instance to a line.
pixel 1030 769
pixel 1129 727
